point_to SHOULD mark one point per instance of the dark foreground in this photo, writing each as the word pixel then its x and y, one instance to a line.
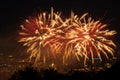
pixel 50 74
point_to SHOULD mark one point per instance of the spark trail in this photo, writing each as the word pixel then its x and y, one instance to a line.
pixel 50 36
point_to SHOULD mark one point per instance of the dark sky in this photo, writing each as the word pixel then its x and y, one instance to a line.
pixel 13 12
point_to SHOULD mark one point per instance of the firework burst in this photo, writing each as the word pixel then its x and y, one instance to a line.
pixel 39 32
pixel 50 36
pixel 88 39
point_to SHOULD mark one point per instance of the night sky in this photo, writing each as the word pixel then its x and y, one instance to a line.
pixel 13 12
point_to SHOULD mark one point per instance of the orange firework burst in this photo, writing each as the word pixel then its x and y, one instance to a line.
pixel 88 39
pixel 39 32
pixel 73 37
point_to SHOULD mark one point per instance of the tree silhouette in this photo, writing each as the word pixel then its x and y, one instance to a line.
pixel 29 73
